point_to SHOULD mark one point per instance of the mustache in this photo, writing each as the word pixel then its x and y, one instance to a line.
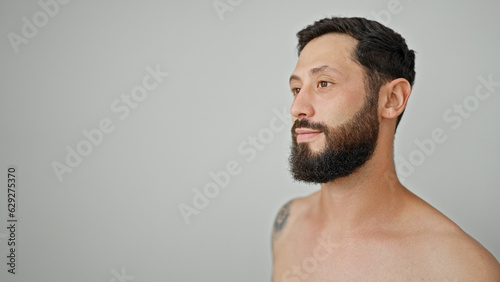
pixel 305 123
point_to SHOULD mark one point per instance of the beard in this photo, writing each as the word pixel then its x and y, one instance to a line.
pixel 348 146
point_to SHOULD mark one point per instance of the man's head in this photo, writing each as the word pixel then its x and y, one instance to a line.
pixel 344 63
pixel 382 52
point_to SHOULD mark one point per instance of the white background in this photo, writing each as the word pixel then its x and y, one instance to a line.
pixel 117 213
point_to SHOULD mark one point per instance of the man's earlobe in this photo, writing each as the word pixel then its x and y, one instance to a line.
pixel 395 98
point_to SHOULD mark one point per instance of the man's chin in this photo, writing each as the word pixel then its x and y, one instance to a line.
pixel 324 165
pixel 312 148
pixel 314 153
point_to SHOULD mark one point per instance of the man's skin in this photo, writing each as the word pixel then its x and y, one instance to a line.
pixel 365 226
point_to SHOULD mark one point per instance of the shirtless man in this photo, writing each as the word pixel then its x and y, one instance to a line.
pixel 351 84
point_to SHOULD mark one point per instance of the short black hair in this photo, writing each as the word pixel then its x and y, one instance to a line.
pixel 381 51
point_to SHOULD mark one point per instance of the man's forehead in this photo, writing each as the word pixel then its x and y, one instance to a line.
pixel 332 52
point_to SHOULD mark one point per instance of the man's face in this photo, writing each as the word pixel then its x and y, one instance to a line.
pixel 335 121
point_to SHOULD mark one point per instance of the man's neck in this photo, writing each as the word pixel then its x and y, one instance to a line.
pixel 365 200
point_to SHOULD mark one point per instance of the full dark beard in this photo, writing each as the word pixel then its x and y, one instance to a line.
pixel 348 146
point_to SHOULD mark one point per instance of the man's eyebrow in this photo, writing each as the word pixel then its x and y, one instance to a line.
pixel 294 77
pixel 323 68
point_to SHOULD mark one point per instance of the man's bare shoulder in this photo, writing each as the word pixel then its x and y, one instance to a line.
pixel 448 249
pixel 423 241
pixel 462 257
pixel 445 246
pixel 292 214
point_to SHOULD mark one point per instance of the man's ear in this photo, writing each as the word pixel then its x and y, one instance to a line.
pixel 394 98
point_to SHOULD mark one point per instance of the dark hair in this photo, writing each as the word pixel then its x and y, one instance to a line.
pixel 381 51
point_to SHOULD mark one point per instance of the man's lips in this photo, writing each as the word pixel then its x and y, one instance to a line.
pixel 305 134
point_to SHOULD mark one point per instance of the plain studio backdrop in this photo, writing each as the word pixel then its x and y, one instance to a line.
pixel 150 138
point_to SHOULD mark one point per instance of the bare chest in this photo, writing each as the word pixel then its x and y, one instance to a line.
pixel 324 258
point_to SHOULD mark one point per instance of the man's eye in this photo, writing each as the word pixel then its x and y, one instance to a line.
pixel 295 91
pixel 324 83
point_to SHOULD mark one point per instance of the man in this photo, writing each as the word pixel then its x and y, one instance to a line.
pixel 351 84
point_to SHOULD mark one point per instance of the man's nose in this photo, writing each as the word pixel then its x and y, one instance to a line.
pixel 302 106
